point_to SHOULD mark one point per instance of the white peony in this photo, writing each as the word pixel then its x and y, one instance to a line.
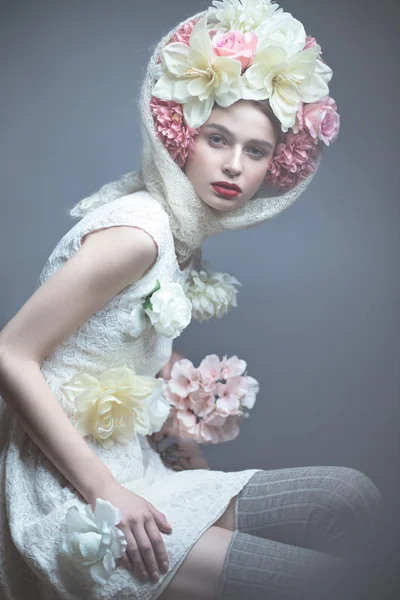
pixel 286 81
pixel 170 310
pixel 243 15
pixel 93 541
pixel 211 294
pixel 195 77
pixel 113 407
pixel 283 31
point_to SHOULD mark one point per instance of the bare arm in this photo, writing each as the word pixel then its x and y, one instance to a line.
pixel 108 260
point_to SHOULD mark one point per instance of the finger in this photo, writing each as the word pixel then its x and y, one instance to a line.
pixel 145 548
pixel 134 556
pixel 158 545
pixel 160 518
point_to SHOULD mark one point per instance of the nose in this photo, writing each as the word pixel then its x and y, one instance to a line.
pixel 233 164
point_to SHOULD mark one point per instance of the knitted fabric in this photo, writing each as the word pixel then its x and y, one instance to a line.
pixel 191 219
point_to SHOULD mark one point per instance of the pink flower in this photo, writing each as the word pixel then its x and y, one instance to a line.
pixel 231 367
pixel 293 161
pixel 230 395
pixel 184 378
pixel 202 403
pixel 209 371
pixel 310 42
pixel 172 130
pixel 235 44
pixel 320 119
pixel 183 33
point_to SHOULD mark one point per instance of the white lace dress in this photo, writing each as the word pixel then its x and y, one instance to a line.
pixel 35 496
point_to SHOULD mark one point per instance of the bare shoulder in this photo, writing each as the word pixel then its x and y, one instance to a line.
pixel 107 261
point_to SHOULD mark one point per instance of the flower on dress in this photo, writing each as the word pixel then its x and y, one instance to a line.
pixel 168 309
pixel 196 77
pixel 114 407
pixel 93 541
pixel 172 130
pixel 243 15
pixel 209 402
pixel 293 161
pixel 211 294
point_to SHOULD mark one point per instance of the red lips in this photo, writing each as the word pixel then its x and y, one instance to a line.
pixel 226 184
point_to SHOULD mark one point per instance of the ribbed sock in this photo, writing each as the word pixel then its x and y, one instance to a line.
pixel 261 569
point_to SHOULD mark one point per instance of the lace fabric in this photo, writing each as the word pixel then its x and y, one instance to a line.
pixel 35 496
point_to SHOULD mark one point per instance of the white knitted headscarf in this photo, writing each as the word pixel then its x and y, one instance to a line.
pixel 191 220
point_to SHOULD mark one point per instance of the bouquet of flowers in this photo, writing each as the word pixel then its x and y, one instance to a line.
pixel 208 403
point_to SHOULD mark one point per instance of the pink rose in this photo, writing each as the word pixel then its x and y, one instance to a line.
pixel 235 44
pixel 320 119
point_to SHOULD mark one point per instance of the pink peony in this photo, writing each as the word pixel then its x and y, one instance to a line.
pixel 293 161
pixel 183 33
pixel 320 119
pixel 184 378
pixel 172 130
pixel 231 367
pixel 235 44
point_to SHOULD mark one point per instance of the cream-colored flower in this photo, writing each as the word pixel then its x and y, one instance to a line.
pixel 211 294
pixel 93 541
pixel 170 310
pixel 195 77
pixel 286 81
pixel 242 15
pixel 283 31
pixel 113 407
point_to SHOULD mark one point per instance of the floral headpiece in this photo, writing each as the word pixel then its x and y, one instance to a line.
pixel 252 50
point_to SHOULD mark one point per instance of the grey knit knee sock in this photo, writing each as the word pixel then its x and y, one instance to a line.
pixel 261 569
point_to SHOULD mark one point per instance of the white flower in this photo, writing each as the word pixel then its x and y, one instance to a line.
pixel 212 294
pixel 286 81
pixel 159 409
pixel 195 77
pixel 113 407
pixel 243 15
pixel 170 310
pixel 93 541
pixel 136 322
pixel 253 389
pixel 283 31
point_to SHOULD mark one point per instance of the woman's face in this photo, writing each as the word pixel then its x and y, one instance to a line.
pixel 234 147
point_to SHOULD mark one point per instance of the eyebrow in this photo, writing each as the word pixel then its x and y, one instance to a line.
pixel 227 132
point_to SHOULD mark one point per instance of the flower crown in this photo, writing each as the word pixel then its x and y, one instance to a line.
pixel 250 50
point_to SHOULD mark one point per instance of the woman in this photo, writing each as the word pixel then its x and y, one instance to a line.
pixel 73 357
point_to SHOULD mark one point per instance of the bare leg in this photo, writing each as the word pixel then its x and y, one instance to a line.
pixel 198 576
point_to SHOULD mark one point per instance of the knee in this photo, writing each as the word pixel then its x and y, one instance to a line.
pixel 354 496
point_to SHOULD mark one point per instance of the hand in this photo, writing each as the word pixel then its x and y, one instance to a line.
pixel 165 372
pixel 141 523
pixel 187 455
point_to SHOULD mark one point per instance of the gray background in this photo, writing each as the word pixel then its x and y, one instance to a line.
pixel 318 314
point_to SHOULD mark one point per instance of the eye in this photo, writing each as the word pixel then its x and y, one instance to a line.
pixel 216 139
pixel 257 153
